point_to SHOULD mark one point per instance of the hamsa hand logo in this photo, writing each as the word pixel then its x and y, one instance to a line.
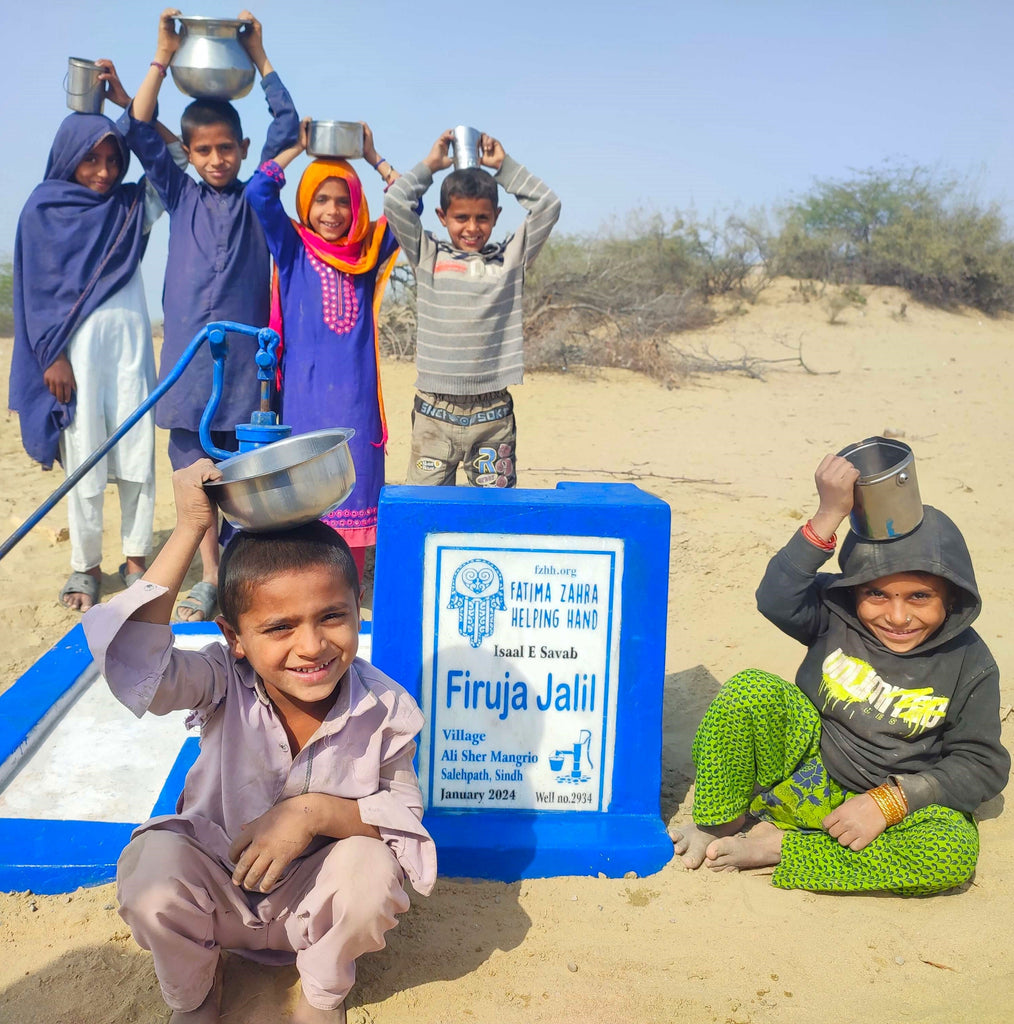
pixel 477 592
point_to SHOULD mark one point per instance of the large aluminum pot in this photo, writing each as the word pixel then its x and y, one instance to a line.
pixel 85 92
pixel 286 483
pixel 211 62
pixel 331 139
pixel 886 502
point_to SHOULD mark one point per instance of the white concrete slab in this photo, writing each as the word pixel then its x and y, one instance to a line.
pixel 99 762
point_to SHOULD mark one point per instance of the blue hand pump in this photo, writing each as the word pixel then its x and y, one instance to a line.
pixel 262 429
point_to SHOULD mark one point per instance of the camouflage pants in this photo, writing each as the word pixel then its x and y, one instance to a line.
pixel 479 432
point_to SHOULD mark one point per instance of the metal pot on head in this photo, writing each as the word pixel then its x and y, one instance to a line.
pixel 886 501
pixel 211 62
pixel 335 139
pixel 286 483
pixel 85 93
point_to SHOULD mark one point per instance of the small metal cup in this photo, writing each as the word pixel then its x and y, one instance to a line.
pixel 466 144
pixel 85 93
pixel 886 496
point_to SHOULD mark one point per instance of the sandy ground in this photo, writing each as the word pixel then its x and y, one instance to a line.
pixel 734 457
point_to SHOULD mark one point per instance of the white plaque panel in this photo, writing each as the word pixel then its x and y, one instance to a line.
pixel 519 671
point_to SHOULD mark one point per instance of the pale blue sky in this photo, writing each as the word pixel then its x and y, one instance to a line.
pixel 716 105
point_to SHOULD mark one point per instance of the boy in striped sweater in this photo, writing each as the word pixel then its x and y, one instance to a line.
pixel 469 345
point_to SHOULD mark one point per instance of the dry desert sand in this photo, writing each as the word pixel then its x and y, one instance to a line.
pixel 734 457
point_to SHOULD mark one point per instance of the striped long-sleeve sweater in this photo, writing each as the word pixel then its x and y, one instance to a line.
pixel 469 304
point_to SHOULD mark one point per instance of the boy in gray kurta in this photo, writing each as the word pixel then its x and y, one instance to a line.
pixel 301 817
pixel 469 345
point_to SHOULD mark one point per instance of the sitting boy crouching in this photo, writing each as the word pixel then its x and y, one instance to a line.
pixel 301 817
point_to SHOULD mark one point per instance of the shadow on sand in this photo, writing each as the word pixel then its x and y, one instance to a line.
pixel 687 696
pixel 444 937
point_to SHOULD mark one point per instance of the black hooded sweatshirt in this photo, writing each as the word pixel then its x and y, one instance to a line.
pixel 930 717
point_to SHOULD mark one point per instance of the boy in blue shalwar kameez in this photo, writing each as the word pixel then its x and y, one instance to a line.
pixel 218 266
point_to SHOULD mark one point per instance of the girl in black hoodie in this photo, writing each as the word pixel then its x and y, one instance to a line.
pixel 864 774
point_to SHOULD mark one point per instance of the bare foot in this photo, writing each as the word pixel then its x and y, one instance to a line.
pixel 307 1014
pixel 210 1011
pixel 692 841
pixel 760 847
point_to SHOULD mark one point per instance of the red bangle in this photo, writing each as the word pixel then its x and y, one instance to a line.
pixel 161 67
pixel 811 535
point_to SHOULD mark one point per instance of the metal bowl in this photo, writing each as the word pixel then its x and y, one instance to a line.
pixel 286 483
pixel 330 139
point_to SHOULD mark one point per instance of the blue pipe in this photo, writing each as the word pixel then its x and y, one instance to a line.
pixel 219 347
pixel 218 328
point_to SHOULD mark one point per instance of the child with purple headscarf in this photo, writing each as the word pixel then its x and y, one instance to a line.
pixel 83 357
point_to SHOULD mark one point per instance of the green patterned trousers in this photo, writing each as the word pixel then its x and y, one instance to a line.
pixel 757 750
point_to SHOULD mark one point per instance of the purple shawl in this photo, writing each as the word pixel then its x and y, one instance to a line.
pixel 74 248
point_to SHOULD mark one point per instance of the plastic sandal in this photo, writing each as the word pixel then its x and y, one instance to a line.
pixel 203 598
pixel 129 578
pixel 80 583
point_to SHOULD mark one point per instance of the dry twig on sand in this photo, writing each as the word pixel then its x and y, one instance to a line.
pixel 626 474
pixel 749 365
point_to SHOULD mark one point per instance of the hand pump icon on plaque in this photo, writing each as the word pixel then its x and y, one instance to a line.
pixel 576 773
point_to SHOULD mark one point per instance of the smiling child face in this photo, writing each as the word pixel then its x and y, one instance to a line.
pixel 100 168
pixel 330 213
pixel 469 222
pixel 300 633
pixel 216 153
pixel 903 610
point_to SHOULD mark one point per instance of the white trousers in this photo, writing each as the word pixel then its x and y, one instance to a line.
pixel 84 522
pixel 114 369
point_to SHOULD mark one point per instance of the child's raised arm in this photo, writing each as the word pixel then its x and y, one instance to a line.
pixel 835 478
pixel 539 200
pixel 375 160
pixel 438 158
pixel 491 152
pixel 403 199
pixel 284 127
pixel 288 155
pixel 195 512
pixel 165 49
pixel 251 38
pixel 116 93
pixel 790 594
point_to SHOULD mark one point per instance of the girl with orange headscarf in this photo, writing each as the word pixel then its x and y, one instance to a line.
pixel 331 268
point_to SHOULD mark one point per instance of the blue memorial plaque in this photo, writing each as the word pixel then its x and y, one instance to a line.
pixel 530 625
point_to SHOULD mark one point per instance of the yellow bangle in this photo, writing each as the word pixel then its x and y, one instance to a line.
pixel 893 807
pixel 898 789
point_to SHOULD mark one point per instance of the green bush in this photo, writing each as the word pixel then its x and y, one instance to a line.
pixel 615 298
pixel 6 298
pixel 901 227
